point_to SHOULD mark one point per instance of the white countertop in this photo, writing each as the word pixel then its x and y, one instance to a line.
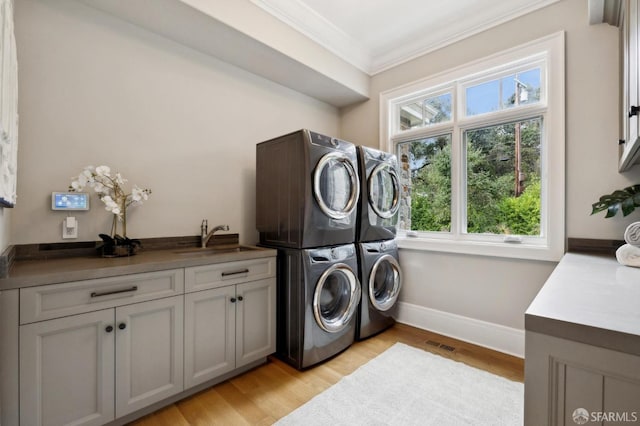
pixel 591 299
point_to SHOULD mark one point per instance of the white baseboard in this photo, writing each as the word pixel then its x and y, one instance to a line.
pixel 493 336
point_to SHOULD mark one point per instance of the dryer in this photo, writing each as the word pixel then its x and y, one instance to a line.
pixel 307 190
pixel 381 280
pixel 318 297
pixel 379 196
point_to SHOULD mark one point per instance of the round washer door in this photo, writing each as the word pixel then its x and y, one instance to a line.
pixel 335 185
pixel 384 190
pixel 385 282
pixel 336 298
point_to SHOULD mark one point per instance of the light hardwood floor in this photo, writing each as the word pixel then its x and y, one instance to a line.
pixel 271 391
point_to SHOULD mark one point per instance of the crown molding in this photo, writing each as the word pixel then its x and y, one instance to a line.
pixel 307 21
pixel 299 16
pixel 422 46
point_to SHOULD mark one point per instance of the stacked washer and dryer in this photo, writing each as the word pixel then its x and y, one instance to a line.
pixel 307 192
pixel 379 269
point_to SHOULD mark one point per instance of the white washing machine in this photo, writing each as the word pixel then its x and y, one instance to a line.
pixel 381 280
pixel 379 195
pixel 318 297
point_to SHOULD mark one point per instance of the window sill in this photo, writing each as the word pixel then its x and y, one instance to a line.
pixel 482 248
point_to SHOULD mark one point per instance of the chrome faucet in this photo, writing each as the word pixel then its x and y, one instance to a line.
pixel 206 236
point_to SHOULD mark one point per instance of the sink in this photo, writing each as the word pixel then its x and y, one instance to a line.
pixel 209 251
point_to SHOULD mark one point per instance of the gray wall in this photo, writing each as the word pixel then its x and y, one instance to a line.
pixel 96 90
pixel 499 290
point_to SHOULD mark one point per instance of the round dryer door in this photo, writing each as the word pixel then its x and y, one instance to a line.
pixel 384 190
pixel 385 282
pixel 335 185
pixel 336 298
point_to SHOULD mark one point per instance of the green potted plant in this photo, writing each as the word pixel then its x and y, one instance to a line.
pixel 625 200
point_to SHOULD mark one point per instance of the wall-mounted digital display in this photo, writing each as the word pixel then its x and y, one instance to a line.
pixel 69 201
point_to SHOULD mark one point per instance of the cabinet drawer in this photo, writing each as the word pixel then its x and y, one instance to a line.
pixel 58 300
pixel 222 274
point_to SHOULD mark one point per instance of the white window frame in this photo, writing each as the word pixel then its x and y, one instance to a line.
pixel 549 53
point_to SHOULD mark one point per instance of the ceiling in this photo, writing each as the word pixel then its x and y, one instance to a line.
pixel 377 35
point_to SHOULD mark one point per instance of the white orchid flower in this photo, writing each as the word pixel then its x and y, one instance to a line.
pixel 138 194
pixel 103 171
pixel 88 172
pixel 111 191
pixel 120 180
pixel 108 201
pixel 111 205
pixel 100 188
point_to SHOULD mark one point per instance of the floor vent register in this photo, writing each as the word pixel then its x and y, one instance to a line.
pixel 440 345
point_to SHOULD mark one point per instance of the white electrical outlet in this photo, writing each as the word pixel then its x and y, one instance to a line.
pixel 69 228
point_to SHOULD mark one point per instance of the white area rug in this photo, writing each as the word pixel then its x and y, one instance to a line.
pixel 409 386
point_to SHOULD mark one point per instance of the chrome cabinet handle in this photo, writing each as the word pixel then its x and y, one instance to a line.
pixel 107 293
pixel 243 271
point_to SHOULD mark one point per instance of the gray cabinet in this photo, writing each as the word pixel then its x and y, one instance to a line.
pixel 230 319
pixel 563 376
pixel 89 368
pixel 109 349
pixel 89 353
pixel 149 349
pixel 67 370
pixel 255 321
pixel 630 149
pixel 209 335
pixel 582 345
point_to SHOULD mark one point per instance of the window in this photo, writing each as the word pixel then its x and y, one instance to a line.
pixel 481 150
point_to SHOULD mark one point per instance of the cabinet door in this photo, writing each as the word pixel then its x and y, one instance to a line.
pixel 631 84
pixel 631 21
pixel 256 321
pixel 563 376
pixel 209 335
pixel 66 370
pixel 149 353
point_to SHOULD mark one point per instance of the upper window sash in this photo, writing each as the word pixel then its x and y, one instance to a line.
pixel 499 65
pixel 426 109
pixel 420 110
pixel 528 81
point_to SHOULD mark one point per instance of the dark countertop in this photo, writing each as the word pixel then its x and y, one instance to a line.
pixel 590 299
pixel 27 273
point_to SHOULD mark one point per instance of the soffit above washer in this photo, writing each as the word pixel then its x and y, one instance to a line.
pixel 377 35
pixel 240 33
